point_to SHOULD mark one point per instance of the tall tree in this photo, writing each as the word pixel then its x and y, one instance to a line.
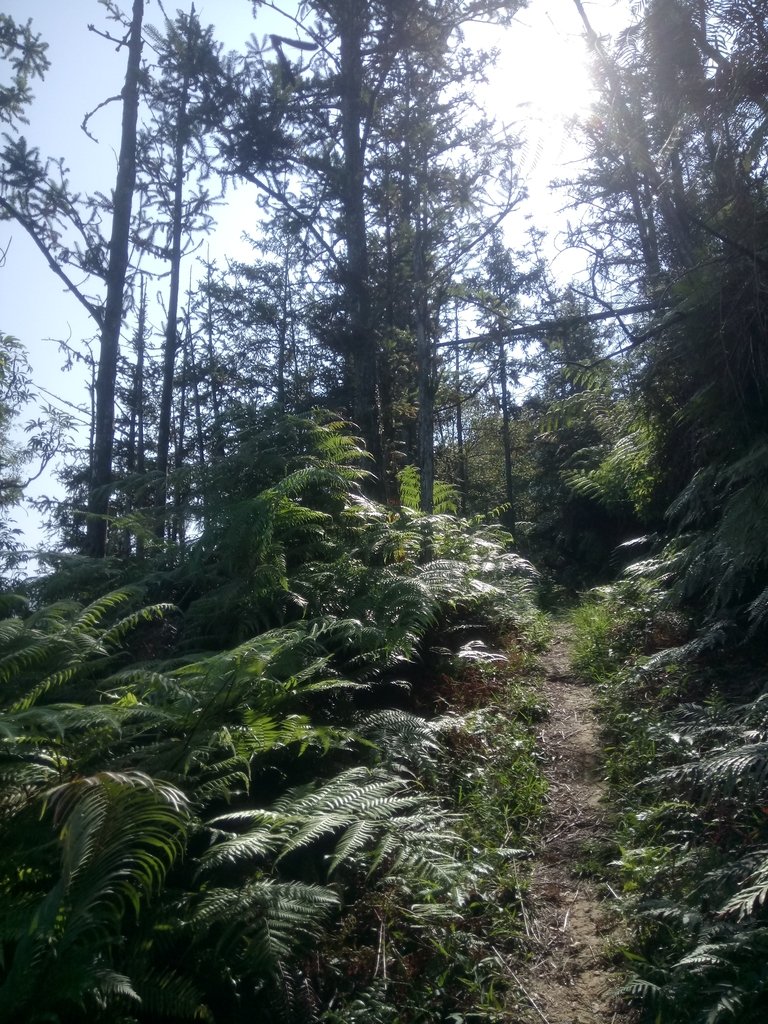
pixel 112 318
pixel 320 141
pixel 184 102
pixel 36 194
pixel 697 73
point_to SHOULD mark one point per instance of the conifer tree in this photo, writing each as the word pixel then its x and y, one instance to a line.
pixel 184 100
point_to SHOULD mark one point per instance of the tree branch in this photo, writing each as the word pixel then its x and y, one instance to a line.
pixel 546 326
pixel 285 202
pixel 89 115
pixel 94 311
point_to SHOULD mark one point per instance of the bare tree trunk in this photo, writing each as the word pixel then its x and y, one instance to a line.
pixel 179 522
pixel 282 334
pixel 424 362
pixel 217 438
pixel 135 453
pixel 462 474
pixel 104 432
pixel 387 415
pixel 137 391
pixel 506 420
pixel 172 327
pixel 199 433
pixel 362 343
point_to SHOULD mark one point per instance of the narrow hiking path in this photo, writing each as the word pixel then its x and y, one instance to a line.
pixel 568 980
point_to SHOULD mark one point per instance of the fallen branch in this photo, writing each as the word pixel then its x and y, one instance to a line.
pixel 529 997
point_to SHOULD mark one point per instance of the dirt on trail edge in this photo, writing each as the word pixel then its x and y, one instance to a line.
pixel 568 979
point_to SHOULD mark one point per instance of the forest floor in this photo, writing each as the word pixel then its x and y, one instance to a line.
pixel 569 979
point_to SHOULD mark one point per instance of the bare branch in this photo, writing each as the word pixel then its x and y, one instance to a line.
pixel 119 43
pixel 547 326
pixel 89 115
pixel 285 202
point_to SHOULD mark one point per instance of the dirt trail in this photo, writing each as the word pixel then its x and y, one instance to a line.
pixel 568 980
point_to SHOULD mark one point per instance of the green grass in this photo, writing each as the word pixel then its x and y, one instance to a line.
pixel 594 651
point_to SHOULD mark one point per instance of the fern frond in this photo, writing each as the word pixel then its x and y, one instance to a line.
pixel 641 990
pixel 151 613
pixel 746 765
pixel 109 983
pixel 476 650
pixel 264 922
pixel 120 834
pixel 168 993
pixel 249 848
pixel 753 894
pixel 91 616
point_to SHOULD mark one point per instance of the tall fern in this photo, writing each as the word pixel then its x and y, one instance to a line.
pixel 185 805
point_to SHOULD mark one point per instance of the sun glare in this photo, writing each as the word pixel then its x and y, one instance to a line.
pixel 542 78
pixel 542 82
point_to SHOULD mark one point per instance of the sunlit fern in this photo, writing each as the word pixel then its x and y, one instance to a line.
pixel 372 817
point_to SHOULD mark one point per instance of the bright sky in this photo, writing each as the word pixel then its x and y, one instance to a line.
pixel 542 79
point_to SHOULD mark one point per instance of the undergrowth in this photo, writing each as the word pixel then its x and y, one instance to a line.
pixel 440 954
pixel 686 757
pixel 272 792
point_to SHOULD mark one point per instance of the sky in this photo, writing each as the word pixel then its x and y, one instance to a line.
pixel 541 80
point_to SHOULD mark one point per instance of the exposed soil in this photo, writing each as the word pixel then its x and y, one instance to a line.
pixel 568 979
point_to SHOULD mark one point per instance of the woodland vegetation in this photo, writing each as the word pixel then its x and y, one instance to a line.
pixel 260 751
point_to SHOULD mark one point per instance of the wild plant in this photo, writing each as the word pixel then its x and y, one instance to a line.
pixel 686 757
pixel 194 792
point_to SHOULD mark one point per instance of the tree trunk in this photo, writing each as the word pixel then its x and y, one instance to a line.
pixel 362 342
pixel 217 438
pixel 506 420
pixel 637 155
pixel 463 475
pixel 199 432
pixel 282 331
pixel 172 327
pixel 101 468
pixel 135 455
pixel 424 362
pixel 178 526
